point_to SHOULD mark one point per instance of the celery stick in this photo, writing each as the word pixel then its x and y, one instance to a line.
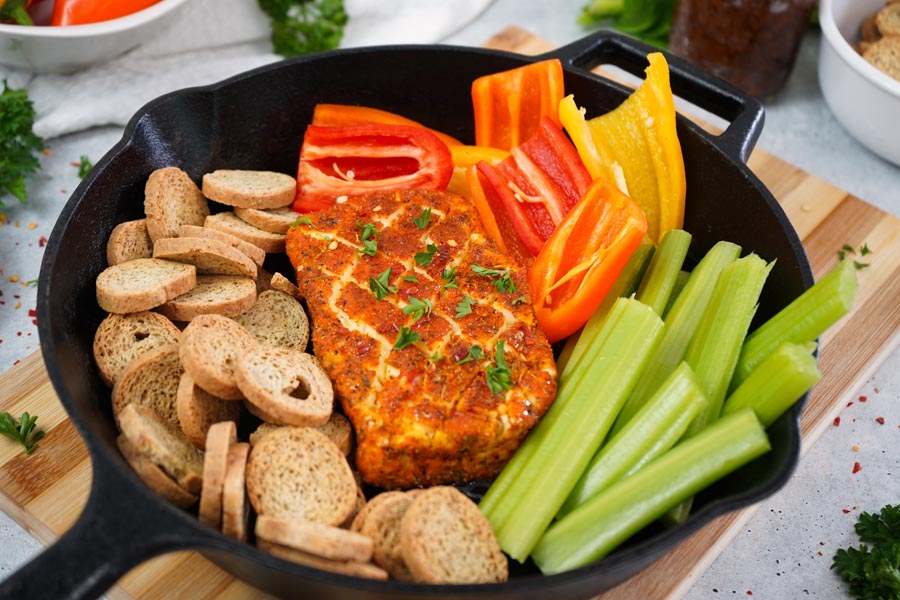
pixel 500 500
pixel 680 282
pixel 596 528
pixel 653 430
pixel 626 284
pixel 777 382
pixel 716 345
pixel 803 320
pixel 659 281
pixel 680 325
pixel 576 428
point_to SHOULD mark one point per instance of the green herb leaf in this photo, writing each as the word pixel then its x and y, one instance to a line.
pixel 449 277
pixel 22 432
pixel 304 26
pixel 464 307
pixel 519 300
pixel 873 572
pixel 368 231
pixel 436 356
pixel 303 221
pixel 19 145
pixel 411 278
pixel 499 277
pixel 406 337
pixel 380 286
pixel 369 247
pixel 84 166
pixel 32 282
pixel 423 259
pixel 498 377
pixel 475 353
pixel 423 219
pixel 418 308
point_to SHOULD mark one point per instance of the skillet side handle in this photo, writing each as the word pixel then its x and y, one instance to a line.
pixel 117 530
pixel 744 113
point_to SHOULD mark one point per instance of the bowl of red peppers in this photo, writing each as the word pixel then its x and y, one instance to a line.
pixel 62 36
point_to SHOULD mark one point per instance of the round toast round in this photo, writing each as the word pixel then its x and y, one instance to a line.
pixel 254 253
pixel 127 241
pixel 326 541
pixel 154 477
pixel 151 380
pixel 163 445
pixel 226 295
pixel 288 386
pixel 297 472
pixel 219 439
pixel 235 508
pixel 444 538
pixel 119 339
pixel 197 410
pixel 275 220
pixel 249 189
pixel 210 346
pixel 209 256
pixel 349 567
pixel 231 224
pixel 172 199
pixel 142 284
pixel 382 524
pixel 277 319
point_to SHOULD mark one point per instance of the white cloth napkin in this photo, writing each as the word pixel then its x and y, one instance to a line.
pixel 212 40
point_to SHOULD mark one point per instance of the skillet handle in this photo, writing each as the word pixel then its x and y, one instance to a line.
pixel 118 529
pixel 744 113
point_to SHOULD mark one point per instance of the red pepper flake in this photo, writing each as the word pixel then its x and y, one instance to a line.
pixel 845 510
pixel 19 333
pixel 32 312
pixel 42 241
pixel 837 421
pixel 879 420
pixel 849 404
pixel 862 398
pixel 749 592
pixel 857 467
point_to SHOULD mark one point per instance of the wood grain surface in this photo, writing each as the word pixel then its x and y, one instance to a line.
pixel 46 491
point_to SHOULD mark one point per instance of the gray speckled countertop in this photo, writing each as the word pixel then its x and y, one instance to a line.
pixel 785 550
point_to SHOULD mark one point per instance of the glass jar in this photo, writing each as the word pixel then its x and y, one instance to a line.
pixel 752 44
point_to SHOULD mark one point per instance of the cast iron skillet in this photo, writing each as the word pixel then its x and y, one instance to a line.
pixel 256 121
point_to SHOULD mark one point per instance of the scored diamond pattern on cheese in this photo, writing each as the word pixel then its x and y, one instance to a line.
pixel 428 398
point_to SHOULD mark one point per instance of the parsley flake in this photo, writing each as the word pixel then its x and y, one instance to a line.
pixel 411 278
pixel 380 286
pixel 84 166
pixel 499 277
pixel 498 377
pixel 406 337
pixel 475 353
pixel 423 219
pixel 464 307
pixel 418 308
pixel 423 259
pixel 449 277
pixel 303 221
pixel 848 250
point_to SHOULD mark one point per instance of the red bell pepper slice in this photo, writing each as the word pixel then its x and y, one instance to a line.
pixel 509 105
pixel 341 115
pixel 82 12
pixel 582 259
pixel 532 190
pixel 357 159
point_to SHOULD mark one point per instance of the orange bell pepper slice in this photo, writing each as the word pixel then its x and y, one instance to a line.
pixel 509 105
pixel 636 146
pixel 342 115
pixel 582 259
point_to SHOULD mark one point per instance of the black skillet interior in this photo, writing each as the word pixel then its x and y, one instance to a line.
pixel 256 121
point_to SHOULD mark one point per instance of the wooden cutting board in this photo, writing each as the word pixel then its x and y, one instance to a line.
pixel 46 491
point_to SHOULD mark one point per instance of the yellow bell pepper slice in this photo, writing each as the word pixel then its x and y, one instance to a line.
pixel 465 156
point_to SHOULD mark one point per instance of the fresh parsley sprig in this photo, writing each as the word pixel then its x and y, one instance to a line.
pixel 19 145
pixel 423 219
pixel 498 375
pixel 501 278
pixel 380 286
pixel 367 237
pixel 873 572
pixel 304 26
pixel 23 431
pixel 464 307
pixel 418 308
pixel 84 166
pixel 406 337
pixel 475 353
pixel 423 259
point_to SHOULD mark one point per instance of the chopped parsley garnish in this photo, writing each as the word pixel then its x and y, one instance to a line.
pixel 418 308
pixel 22 432
pixel 367 237
pixel 499 277
pixel 499 377
pixel 449 277
pixel 519 300
pixel 464 307
pixel 423 259
pixel 423 219
pixel 412 278
pixel 406 337
pixel 303 221
pixel 380 286
pixel 436 356
pixel 84 166
pixel 475 353
pixel 848 250
pixel 369 247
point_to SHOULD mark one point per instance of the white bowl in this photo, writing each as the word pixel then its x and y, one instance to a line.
pixel 863 99
pixel 45 49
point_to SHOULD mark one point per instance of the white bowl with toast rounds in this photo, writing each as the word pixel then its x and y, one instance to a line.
pixel 864 98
